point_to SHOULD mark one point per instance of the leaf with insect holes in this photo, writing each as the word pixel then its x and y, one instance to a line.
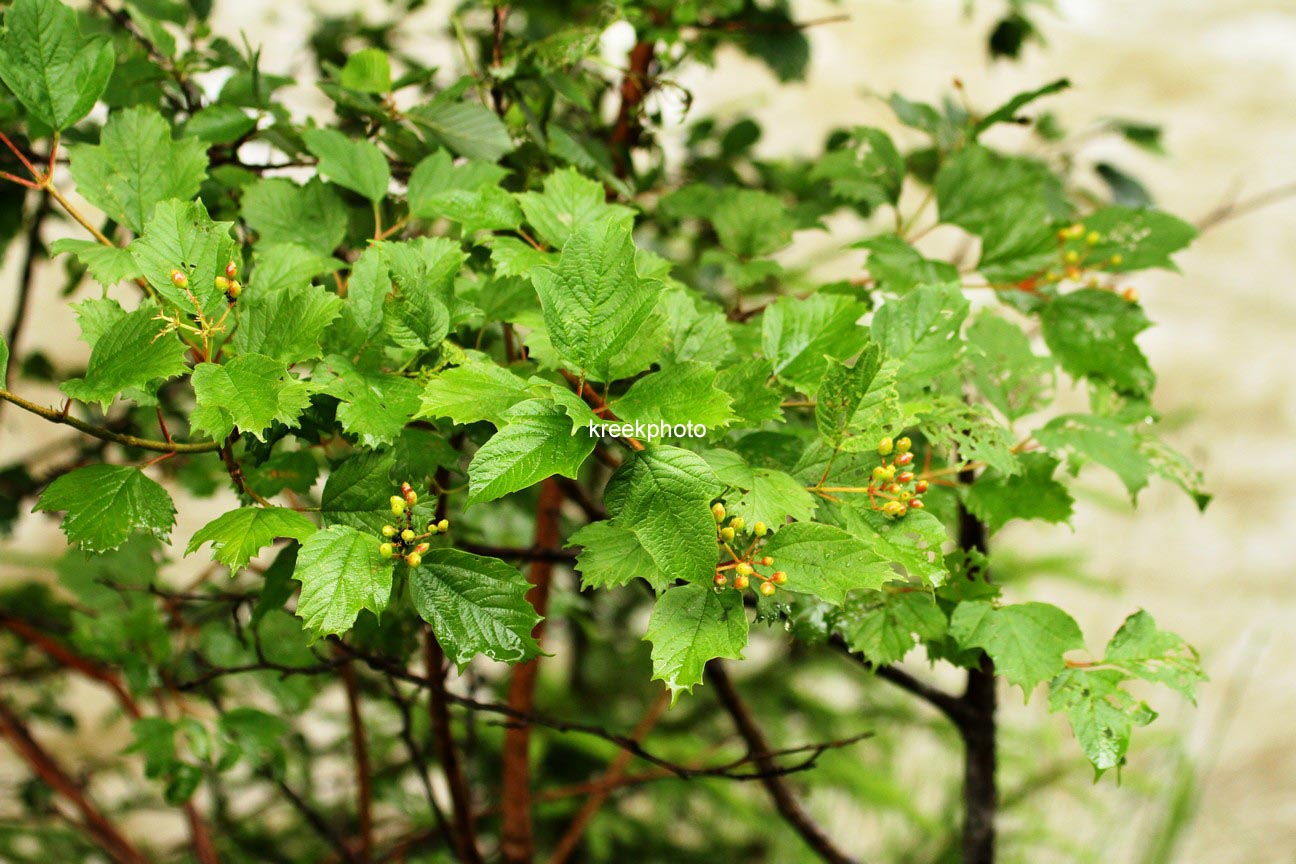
pixel 105 504
pixel 239 535
pixel 1091 333
pixel 135 165
pixel 54 71
pixel 798 336
pixel 690 626
pixel 341 574
pixel 132 352
pixel 476 605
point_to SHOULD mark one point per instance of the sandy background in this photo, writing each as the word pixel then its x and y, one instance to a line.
pixel 1221 76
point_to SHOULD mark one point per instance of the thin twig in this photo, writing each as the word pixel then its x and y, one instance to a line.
pixel 55 415
pixel 465 832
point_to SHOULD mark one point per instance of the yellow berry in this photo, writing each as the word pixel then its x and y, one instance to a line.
pixel 903 445
pixel 1071 256
pixel 905 495
pixel 386 550
pixel 879 473
pixel 222 283
pixel 414 559
pixel 890 472
pixel 885 446
pixel 742 568
pixel 422 547
pixel 397 505
pixel 407 535
pixel 179 279
pixel 768 589
pixel 737 523
pixel 759 529
pixel 1077 230
pixel 767 560
pixel 432 528
pixel 1131 295
pixel 727 534
pixel 443 526
pixel 718 511
pixel 1117 260
pixel 389 530
pixel 893 488
pixel 1093 238
pixel 234 290
pixel 721 580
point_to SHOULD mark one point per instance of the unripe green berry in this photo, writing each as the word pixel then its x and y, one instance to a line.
pixel 397 506
pixel 718 511
pixel 768 589
pixel 759 529
pixel 903 444
pixel 727 534
pixel 414 559
pixel 389 530
pixel 432 528
pixel 885 446
pixel 737 523
pixel 386 550
pixel 407 535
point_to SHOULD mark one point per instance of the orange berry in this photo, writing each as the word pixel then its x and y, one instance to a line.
pixel 921 486
pixel 179 279
pixel 768 589
pixel 231 270
pixel 779 577
pixel 916 504
pixel 721 580
pixel 904 459
pixel 741 583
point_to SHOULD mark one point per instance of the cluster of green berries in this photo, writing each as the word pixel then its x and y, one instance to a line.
pixel 227 283
pixel 1074 247
pixel 401 540
pixel 744 565
pixel 894 480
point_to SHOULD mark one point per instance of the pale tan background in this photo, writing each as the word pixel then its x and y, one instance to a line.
pixel 1221 76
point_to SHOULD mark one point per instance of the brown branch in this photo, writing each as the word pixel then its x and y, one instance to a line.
pixel 980 793
pixel 56 415
pixel 31 252
pixel 517 842
pixel 192 96
pixel 634 89
pixel 553 556
pixel 605 784
pixel 105 834
pixel 947 703
pixel 464 833
pixel 789 808
pixel 235 471
pixel 1234 209
pixel 360 753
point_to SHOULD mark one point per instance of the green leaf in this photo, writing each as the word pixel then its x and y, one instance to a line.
pixel 1006 372
pixel 107 264
pixel 424 272
pixel 375 405
pixel 135 165
pixel 952 424
pixel 285 325
pixel 437 178
pixel 280 211
pixel 181 236
pixel 594 301
pixel 367 71
pixel 1088 437
pixel 682 393
pixel 797 335
pixel 106 503
pixel 134 351
pixel 241 534
pixel 55 72
pixel 341 573
pixel 921 330
pixel 536 442
pixel 219 124
pixel 773 497
pixel 468 128
pixel 914 542
pixel 884 625
pixel 691 625
pixel 896 266
pixel 357 165
pixel 4 360
pixel 473 392
pixel 1026 641
pixel 752 223
pixel 663 494
pixel 569 204
pixel 1032 493
pixel 250 392
pixel 1102 715
pixel 1009 202
pixel 612 556
pixel 1142 238
pixel 476 605
pixel 277 266
pixel 848 404
pixel 867 169
pixel 358 494
pixel 1160 656
pixel 1007 112
pixel 825 561
pixel 1091 333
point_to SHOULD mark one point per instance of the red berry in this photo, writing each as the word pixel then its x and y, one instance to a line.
pixel 905 477
pixel 916 504
pixel 721 580
pixel 767 560
pixel 904 459
pixel 231 270
pixel 179 279
pixel 779 577
pixel 921 486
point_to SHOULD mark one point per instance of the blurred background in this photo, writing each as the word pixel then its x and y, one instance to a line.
pixel 1213 784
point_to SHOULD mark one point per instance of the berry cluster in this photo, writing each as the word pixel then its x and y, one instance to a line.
pixel 227 283
pixel 401 540
pixel 1075 246
pixel 743 566
pixel 894 480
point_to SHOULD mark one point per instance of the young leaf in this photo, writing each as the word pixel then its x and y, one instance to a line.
pixel 536 441
pixel 1155 655
pixel 663 494
pixel 691 625
pixel 107 264
pixel 132 352
pixel 285 325
pixel 476 605
pixel 135 165
pixel 357 165
pixel 241 534
pixel 1100 439
pixel 773 497
pixel 1103 716
pixel 1091 333
pixel 594 301
pixel 250 392
pixel 105 504
pixel 367 71
pixel 341 573
pixel 921 330
pixel 1026 641
pixel 55 72
pixel 825 561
